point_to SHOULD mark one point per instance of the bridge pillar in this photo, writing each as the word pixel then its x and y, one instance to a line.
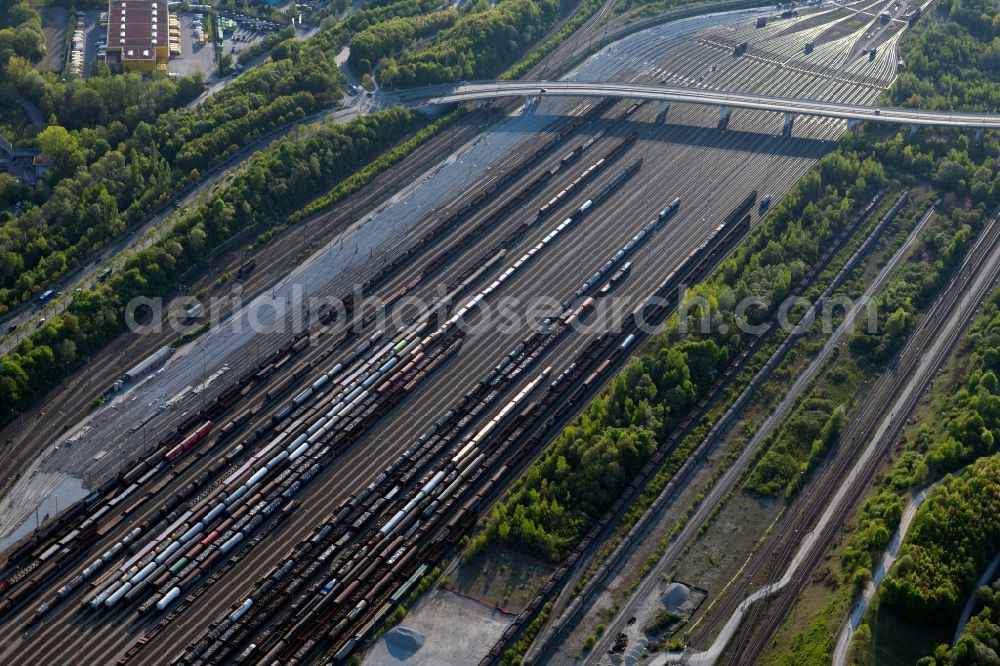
pixel 664 110
pixel 789 122
pixel 724 112
pixel 851 124
pixel 913 129
pixel 530 102
pixel 979 135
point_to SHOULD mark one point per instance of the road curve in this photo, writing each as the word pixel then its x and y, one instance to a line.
pixel 445 94
pixel 885 563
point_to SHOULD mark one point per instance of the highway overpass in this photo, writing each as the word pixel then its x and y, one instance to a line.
pixel 484 90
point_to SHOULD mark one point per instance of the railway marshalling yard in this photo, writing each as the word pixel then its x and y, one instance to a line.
pixel 266 495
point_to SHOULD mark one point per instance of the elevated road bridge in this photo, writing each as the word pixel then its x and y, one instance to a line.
pixel 726 101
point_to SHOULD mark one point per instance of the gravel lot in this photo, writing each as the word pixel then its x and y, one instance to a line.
pixel 54 22
pixel 454 630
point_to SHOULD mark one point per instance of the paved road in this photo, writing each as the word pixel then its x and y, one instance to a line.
pixel 881 571
pixel 461 92
pixel 985 579
pixel 33 113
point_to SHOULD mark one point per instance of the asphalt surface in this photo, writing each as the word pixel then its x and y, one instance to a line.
pixel 480 90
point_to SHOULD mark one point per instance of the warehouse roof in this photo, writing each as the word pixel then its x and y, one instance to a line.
pixel 137 27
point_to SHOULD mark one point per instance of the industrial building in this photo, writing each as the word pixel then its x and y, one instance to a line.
pixel 138 35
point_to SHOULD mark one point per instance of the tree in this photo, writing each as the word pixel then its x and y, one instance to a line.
pixel 62 148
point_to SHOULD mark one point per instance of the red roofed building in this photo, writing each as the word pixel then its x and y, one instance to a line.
pixel 138 35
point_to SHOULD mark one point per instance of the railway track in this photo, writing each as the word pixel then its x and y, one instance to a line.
pixel 958 305
pixel 689 81
pixel 639 531
pixel 387 436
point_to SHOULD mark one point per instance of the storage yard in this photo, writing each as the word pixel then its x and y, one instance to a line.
pixel 271 496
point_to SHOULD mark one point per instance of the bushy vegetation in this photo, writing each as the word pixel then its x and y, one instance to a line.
pixel 979 644
pixel 952 64
pixel 366 174
pixel 265 44
pixel 593 459
pixel 481 43
pixel 388 37
pixel 816 423
pixel 810 431
pixel 955 533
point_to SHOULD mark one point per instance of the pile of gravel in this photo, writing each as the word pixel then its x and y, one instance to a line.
pixel 675 596
pixel 402 642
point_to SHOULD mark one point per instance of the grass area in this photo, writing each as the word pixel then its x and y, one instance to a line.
pixel 810 632
pixel 895 641
pixel 500 576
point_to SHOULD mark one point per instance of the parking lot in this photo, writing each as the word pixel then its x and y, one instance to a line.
pixel 196 54
pixel 87 35
pixel 248 30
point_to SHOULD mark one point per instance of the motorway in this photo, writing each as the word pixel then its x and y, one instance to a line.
pixel 480 90
pixel 688 157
